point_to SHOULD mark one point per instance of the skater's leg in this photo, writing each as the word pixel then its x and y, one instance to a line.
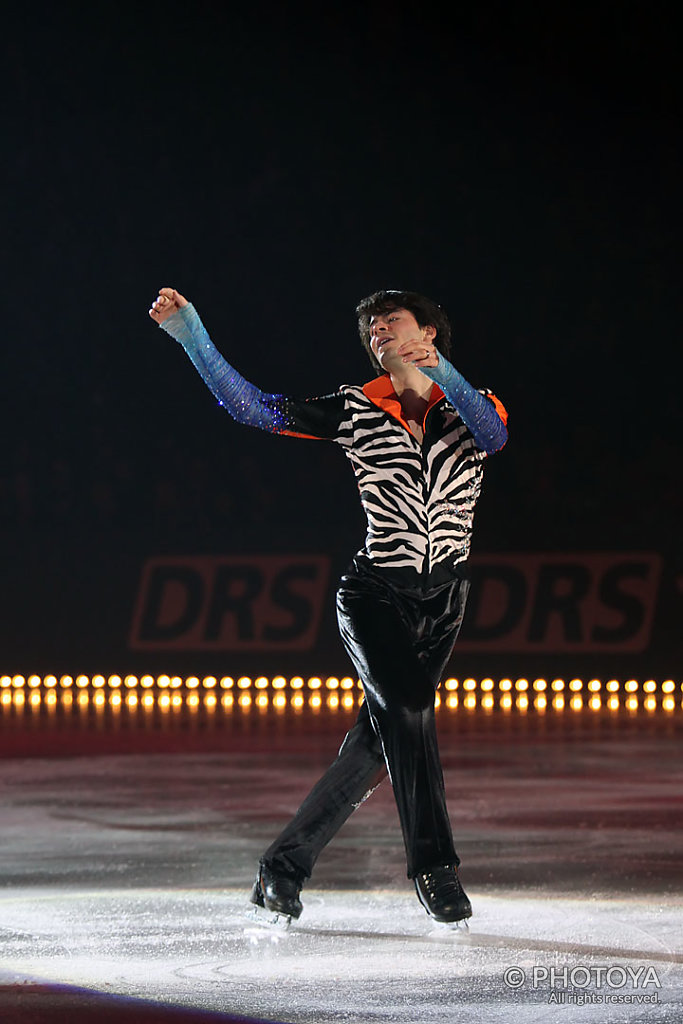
pixel 354 773
pixel 399 691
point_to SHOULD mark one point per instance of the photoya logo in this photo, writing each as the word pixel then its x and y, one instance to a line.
pixel 230 603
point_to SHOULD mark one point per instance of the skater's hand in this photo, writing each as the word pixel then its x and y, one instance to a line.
pixel 419 352
pixel 168 302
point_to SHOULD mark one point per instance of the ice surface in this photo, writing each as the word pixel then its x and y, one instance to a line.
pixel 131 876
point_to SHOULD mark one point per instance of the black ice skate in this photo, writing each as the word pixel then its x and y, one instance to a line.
pixel 277 893
pixel 441 894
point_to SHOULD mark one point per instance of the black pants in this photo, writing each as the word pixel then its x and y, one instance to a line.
pixel 399 641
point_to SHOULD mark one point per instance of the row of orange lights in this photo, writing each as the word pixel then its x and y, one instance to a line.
pixel 210 699
pixel 469 685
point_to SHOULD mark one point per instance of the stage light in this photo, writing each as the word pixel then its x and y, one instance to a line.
pixel 506 702
pixel 297 700
pixel 576 703
pixel 340 687
pixel 192 700
pixel 244 700
pixel 452 701
pixel 227 700
pixel 558 702
pixel 210 701
pixel 540 702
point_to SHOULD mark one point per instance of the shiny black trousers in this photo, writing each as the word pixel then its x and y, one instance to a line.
pixel 399 641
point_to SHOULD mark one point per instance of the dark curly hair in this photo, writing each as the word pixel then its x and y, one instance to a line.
pixel 423 309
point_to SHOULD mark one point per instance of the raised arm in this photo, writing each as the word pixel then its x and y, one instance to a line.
pixel 484 417
pixel 244 401
pixel 315 418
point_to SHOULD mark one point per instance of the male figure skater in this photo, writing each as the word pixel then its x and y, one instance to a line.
pixel 417 437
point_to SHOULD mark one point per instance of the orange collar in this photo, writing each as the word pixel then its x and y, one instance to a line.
pixel 380 391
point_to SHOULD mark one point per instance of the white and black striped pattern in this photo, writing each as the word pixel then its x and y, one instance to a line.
pixel 419 498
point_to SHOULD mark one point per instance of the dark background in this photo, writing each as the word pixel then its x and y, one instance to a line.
pixel 518 163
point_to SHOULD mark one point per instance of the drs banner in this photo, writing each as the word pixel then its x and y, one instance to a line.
pixel 271 603
pixel 584 603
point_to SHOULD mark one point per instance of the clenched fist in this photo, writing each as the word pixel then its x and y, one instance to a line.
pixel 168 302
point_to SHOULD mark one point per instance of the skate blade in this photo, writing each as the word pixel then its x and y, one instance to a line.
pixel 268 918
pixel 461 926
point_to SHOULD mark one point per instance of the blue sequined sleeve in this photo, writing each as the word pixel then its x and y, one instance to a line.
pixel 314 418
pixel 484 417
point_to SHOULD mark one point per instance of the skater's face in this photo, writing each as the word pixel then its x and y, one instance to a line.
pixel 389 331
